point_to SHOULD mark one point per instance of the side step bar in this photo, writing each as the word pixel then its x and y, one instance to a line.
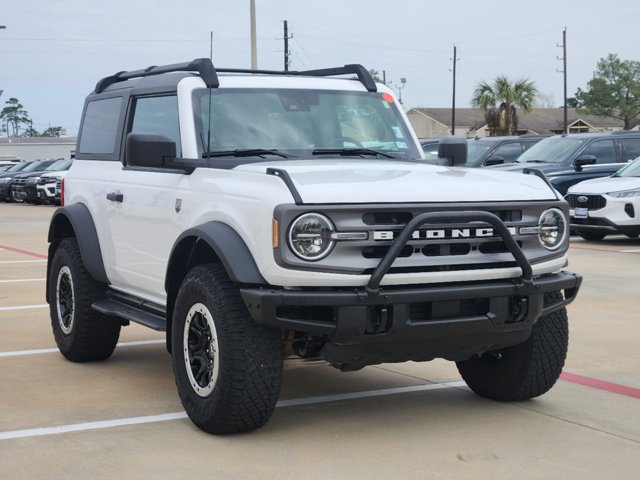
pixel 133 309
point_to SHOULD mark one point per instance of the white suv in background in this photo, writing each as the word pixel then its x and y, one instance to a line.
pixel 49 187
pixel 607 205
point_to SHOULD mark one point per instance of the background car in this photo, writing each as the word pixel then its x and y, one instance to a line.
pixel 429 147
pixel 569 159
pixel 7 179
pixel 485 151
pixel 48 186
pixel 602 206
pixel 25 184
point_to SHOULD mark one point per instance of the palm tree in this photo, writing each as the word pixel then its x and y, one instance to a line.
pixel 500 102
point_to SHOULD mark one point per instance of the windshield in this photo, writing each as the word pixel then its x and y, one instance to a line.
pixel 301 123
pixel 34 166
pixel 553 150
pixel 17 167
pixel 476 150
pixel 630 170
pixel 62 164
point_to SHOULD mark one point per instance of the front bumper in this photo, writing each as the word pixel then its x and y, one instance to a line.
pixel 26 193
pixel 342 314
pixel 420 323
pixel 375 324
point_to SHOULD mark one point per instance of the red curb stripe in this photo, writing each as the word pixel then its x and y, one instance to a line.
pixel 23 252
pixel 601 384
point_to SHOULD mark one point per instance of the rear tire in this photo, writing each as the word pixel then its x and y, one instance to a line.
pixel 228 370
pixel 526 370
pixel 592 236
pixel 81 333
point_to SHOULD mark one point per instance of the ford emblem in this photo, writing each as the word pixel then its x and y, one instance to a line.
pixel 582 198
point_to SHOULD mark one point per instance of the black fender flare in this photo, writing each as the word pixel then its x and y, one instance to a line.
pixel 228 246
pixel 75 220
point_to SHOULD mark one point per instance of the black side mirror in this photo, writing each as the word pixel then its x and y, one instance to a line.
pixel 149 150
pixel 454 149
pixel 494 161
pixel 583 160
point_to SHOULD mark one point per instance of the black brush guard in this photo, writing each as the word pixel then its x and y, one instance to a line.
pixel 375 324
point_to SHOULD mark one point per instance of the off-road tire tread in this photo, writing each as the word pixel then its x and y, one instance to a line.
pixel 528 369
pixel 251 357
pixel 94 335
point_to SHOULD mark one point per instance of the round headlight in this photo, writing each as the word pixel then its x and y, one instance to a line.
pixel 310 236
pixel 553 228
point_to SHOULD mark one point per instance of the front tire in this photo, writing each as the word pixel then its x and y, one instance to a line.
pixel 81 333
pixel 526 370
pixel 228 370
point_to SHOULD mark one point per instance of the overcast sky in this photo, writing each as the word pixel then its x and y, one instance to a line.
pixel 53 52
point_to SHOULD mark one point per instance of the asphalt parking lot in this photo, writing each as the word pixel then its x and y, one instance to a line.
pixel 123 419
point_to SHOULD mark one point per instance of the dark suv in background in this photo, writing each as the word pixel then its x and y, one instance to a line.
pixel 485 151
pixel 24 186
pixel 7 179
pixel 568 159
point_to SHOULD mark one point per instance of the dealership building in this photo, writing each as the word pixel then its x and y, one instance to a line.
pixel 36 148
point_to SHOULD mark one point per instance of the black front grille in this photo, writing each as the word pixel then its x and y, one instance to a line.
pixel 592 202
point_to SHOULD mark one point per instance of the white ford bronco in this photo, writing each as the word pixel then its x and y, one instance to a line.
pixel 256 215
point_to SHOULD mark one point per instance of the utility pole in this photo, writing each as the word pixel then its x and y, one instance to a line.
pixel 287 54
pixel 254 53
pixel 564 72
pixel 453 103
pixel 403 83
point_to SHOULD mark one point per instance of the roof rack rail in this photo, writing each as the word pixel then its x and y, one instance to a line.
pixel 203 66
pixel 208 73
pixel 363 74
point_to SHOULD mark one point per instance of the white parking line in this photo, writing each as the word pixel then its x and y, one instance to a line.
pixel 636 250
pixel 23 307
pixel 19 353
pixel 79 427
pixel 22 261
pixel 24 280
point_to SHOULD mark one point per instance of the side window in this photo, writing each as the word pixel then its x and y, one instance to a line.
pixel 158 115
pixel 603 150
pixel 630 148
pixel 508 151
pixel 100 127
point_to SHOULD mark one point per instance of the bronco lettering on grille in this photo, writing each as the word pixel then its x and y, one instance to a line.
pixel 442 233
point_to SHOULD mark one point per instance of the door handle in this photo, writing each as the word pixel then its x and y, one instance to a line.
pixel 115 197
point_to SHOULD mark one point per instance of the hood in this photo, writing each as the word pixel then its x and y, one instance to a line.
pixel 559 169
pixel 606 185
pixel 366 181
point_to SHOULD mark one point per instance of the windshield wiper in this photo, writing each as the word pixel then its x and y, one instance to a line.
pixel 247 152
pixel 351 151
pixel 531 161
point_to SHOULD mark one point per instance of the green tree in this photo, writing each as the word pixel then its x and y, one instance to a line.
pixel 614 91
pixel 13 116
pixel 500 101
pixel 376 75
pixel 52 132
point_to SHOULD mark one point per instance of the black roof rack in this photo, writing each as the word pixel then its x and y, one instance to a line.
pixel 208 73
pixel 203 66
